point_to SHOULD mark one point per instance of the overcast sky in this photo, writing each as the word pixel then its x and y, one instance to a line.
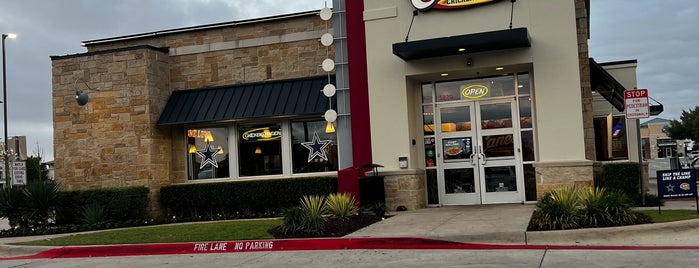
pixel 661 35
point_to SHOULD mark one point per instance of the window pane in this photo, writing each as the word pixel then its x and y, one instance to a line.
pixel 455 119
pixel 432 190
pixel 430 152
pixel 260 150
pixel 207 150
pixel 313 150
pixel 525 112
pixel 527 145
pixel 459 181
pixel 426 93
pixel 529 183
pixel 500 179
pixel 428 119
pixel 498 115
pixel 499 146
pixel 523 84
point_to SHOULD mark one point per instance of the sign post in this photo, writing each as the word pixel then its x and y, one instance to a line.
pixel 636 106
pixel 19 173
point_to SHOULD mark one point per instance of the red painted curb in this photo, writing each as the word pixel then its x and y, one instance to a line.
pixel 399 243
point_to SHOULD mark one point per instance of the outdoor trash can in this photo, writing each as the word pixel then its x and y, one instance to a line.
pixel 371 190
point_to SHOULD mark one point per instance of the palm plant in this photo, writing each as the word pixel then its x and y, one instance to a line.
pixel 13 206
pixel 314 206
pixel 93 213
pixel 42 197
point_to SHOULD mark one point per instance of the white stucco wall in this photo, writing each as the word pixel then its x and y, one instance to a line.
pixel 552 61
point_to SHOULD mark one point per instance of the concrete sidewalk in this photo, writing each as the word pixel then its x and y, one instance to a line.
pixel 468 224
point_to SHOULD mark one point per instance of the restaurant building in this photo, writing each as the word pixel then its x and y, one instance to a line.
pixel 460 102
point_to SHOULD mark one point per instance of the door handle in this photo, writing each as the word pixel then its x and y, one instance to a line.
pixel 481 155
pixel 472 155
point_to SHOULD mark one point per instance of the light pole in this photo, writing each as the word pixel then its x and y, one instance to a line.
pixel 8 181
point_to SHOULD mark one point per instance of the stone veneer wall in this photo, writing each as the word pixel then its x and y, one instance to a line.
pixel 113 140
pixel 582 22
pixel 553 176
pixel 405 188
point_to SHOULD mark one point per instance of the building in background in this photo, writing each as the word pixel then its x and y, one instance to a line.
pixel 656 142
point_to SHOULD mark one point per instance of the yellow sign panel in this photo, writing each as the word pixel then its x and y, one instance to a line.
pixel 461 3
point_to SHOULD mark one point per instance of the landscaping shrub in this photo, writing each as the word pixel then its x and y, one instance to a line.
pixel 120 204
pixel 13 205
pixel 252 198
pixel 379 209
pixel 341 205
pixel 559 209
pixel 294 218
pixel 29 206
pixel 41 197
pixel 92 213
pixel 573 207
pixel 314 207
pixel 622 177
pixel 652 200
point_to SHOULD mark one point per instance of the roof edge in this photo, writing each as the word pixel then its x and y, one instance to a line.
pixel 159 49
pixel 197 28
pixel 618 62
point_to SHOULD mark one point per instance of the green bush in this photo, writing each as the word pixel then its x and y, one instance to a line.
pixel 41 201
pixel 294 218
pixel 121 204
pixel 13 206
pixel 255 197
pixel 652 200
pixel 314 207
pixel 341 205
pixel 379 209
pixel 559 209
pixel 573 207
pixel 622 177
pixel 93 213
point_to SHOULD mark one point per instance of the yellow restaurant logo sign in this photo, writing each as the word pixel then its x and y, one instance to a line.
pixel 425 5
pixel 476 91
pixel 262 134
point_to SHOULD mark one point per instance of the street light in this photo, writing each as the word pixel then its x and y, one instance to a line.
pixel 8 181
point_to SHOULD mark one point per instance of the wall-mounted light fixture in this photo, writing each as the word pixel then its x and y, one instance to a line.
pixel 80 96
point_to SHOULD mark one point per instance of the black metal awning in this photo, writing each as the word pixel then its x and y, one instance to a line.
pixel 470 43
pixel 606 85
pixel 266 99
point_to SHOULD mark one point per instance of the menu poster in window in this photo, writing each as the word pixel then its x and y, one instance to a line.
pixel 459 148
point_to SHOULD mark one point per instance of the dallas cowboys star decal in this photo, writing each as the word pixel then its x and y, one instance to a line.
pixel 208 156
pixel 316 147
pixel 670 188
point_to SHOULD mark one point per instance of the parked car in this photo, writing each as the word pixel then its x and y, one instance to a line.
pixel 695 164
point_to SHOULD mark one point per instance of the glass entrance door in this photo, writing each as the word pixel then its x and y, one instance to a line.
pixel 477 159
pixel 458 171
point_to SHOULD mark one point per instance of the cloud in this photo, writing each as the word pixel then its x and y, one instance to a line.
pixel 661 36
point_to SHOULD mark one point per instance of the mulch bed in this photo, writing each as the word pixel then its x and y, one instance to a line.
pixel 333 227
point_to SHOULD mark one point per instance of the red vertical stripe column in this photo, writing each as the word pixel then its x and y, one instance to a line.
pixel 359 96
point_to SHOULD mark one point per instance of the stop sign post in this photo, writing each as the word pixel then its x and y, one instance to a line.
pixel 636 103
pixel 636 107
